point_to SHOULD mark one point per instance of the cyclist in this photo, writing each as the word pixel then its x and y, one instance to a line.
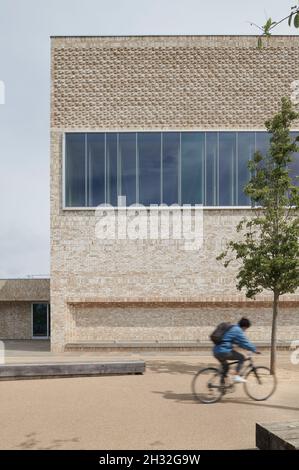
pixel 224 351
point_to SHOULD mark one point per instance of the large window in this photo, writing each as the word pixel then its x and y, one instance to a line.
pixel 208 168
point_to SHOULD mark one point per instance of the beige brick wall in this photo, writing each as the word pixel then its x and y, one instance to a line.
pixel 15 320
pixel 152 83
pixel 170 82
pixel 88 270
pixel 93 323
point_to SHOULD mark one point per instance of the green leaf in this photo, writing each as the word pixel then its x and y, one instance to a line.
pixel 268 25
pixel 259 43
pixel 290 19
pixel 296 20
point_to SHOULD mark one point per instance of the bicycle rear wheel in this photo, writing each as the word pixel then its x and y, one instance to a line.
pixel 260 383
pixel 206 385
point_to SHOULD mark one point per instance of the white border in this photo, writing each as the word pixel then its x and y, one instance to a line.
pixel 159 208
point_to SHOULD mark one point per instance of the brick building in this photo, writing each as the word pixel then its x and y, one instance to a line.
pixel 24 308
pixel 168 119
pixel 157 120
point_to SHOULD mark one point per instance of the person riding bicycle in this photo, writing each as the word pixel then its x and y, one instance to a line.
pixel 224 351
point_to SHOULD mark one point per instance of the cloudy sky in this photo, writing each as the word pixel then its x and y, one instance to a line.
pixel 25 29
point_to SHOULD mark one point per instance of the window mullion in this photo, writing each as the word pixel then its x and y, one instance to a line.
pixel 118 158
pixel 86 174
pixel 180 172
pixel 236 192
pixel 161 170
pixel 137 167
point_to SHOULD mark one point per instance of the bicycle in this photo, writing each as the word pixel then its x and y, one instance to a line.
pixel 209 386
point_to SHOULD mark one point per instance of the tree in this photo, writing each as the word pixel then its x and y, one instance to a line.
pixel 266 30
pixel 267 245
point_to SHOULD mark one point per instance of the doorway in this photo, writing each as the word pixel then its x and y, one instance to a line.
pixel 40 320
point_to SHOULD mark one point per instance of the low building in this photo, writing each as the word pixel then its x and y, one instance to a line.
pixel 24 308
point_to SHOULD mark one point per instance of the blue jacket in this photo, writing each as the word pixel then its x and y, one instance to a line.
pixel 235 335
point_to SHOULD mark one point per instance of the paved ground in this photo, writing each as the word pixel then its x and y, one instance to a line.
pixel 153 411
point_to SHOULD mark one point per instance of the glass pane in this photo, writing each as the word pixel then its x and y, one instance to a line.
pixel 96 169
pixel 193 147
pixel 294 165
pixel 49 320
pixel 227 162
pixel 75 170
pixel 111 171
pixel 246 149
pixel 149 154
pixel 171 148
pixel 262 142
pixel 211 187
pixel 40 319
pixel 127 155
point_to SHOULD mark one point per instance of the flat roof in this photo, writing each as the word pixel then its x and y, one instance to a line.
pixel 34 278
pixel 25 290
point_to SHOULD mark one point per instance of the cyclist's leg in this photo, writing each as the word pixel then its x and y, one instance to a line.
pixel 236 356
pixel 222 358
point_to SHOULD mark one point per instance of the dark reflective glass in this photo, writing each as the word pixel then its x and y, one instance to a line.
pixel 213 166
pixel 75 170
pixel 294 165
pixel 170 158
pixel 192 159
pixel 40 320
pixel 127 159
pixel 227 164
pixel 246 149
pixel 96 168
pixel 211 173
pixel 111 168
pixel 262 142
pixel 149 164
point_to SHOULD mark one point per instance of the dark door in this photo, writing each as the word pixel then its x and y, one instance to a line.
pixel 40 320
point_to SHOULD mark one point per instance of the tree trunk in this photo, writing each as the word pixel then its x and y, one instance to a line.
pixel 273 334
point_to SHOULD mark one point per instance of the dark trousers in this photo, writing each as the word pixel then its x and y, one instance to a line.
pixel 231 356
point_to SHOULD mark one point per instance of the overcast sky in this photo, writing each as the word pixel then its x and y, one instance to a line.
pixel 25 28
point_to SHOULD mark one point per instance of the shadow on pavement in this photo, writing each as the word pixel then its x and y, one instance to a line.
pixel 264 404
pixel 177 397
pixel 189 398
pixel 31 442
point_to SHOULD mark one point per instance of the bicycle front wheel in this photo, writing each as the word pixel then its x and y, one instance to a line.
pixel 206 385
pixel 260 384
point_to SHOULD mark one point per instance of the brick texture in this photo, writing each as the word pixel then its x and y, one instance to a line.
pixel 170 82
pixel 174 324
pixel 15 320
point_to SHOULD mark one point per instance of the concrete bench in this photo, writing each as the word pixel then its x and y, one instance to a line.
pixel 278 436
pixel 70 369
